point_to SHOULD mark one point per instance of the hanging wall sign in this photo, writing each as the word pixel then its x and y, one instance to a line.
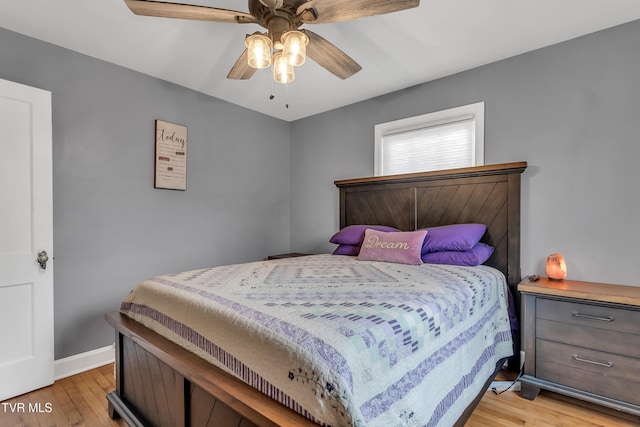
pixel 171 156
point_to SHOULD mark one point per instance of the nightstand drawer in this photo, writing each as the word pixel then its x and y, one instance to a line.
pixel 589 337
pixel 595 316
pixel 602 373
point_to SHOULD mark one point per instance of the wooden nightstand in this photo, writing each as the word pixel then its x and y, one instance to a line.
pixel 289 255
pixel 582 339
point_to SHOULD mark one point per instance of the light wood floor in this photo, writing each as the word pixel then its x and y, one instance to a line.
pixel 80 401
pixel 547 410
pixel 74 401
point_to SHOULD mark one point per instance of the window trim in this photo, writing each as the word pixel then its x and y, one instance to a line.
pixel 451 115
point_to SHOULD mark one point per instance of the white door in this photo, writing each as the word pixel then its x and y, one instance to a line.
pixel 26 229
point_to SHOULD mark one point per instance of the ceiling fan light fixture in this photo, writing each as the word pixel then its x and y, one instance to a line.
pixel 259 50
pixel 295 47
pixel 282 70
pixel 279 17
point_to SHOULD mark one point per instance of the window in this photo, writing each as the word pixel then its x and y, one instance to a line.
pixel 446 139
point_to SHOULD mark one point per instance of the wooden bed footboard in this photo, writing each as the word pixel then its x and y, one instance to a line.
pixel 158 383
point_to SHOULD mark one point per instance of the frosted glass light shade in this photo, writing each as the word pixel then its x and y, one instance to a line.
pixel 282 70
pixel 295 47
pixel 258 50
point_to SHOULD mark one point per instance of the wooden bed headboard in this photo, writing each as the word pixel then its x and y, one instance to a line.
pixel 488 195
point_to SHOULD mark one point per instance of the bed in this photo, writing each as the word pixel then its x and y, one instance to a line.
pixel 179 373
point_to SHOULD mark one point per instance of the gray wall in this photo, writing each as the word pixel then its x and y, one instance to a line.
pixel 112 229
pixel 570 110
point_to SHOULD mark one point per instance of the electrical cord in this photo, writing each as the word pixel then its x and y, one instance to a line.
pixel 495 390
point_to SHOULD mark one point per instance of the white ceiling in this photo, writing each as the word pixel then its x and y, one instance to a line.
pixel 398 50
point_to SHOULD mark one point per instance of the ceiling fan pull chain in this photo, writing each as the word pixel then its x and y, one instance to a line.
pixel 272 95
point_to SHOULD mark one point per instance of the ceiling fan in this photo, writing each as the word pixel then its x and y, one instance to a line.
pixel 284 45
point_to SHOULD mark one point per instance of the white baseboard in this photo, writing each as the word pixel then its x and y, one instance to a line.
pixel 83 362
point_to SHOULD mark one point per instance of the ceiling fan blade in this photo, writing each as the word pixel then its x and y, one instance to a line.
pixel 330 57
pixel 187 11
pixel 341 10
pixel 241 70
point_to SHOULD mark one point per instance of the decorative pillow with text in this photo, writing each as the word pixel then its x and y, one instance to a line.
pixel 403 247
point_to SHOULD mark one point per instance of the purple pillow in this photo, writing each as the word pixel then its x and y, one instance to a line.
pixel 454 237
pixel 398 246
pixel 352 250
pixel 353 234
pixel 474 256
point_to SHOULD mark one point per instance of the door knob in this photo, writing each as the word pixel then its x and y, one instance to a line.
pixel 42 259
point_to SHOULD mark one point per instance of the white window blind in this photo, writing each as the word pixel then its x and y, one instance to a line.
pixel 445 146
pixel 443 140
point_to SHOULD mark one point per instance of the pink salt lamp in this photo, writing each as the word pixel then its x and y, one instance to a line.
pixel 556 267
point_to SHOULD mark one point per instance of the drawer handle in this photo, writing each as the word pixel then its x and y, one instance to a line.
pixel 588 316
pixel 593 362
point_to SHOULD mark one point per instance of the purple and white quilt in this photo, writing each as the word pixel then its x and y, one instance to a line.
pixel 341 341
